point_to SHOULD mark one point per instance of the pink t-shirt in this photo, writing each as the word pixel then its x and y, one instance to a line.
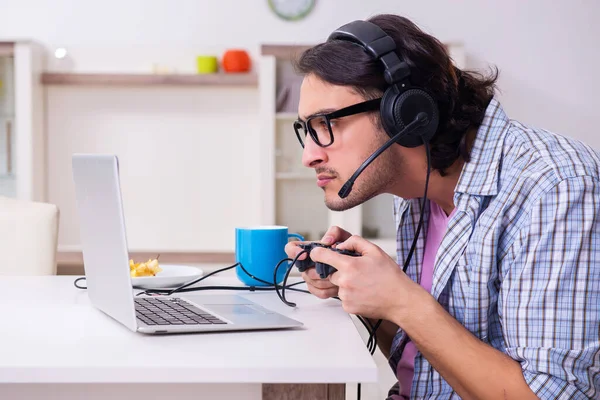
pixel 438 222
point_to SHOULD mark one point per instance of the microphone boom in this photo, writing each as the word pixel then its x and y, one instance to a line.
pixel 420 120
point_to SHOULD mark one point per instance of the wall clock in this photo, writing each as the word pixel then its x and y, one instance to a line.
pixel 291 10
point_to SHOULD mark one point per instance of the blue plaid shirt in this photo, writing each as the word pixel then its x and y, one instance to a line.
pixel 519 265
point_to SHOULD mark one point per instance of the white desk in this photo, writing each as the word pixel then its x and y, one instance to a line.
pixel 55 345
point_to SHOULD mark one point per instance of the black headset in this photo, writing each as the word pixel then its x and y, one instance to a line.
pixel 402 101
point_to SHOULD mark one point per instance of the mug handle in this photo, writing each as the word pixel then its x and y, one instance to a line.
pixel 297 236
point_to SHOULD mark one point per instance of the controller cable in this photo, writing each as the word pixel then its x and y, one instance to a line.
pixel 408 258
pixel 185 287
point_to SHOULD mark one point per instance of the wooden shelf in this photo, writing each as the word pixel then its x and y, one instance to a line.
pixel 70 262
pixel 109 79
pixel 6 48
pixel 283 51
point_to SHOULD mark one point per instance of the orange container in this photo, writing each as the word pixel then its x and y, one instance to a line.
pixel 235 60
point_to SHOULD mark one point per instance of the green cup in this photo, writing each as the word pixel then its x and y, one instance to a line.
pixel 207 64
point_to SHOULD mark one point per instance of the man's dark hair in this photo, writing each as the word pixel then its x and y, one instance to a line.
pixel 462 96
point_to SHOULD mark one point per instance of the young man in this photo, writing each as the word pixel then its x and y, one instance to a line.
pixel 501 295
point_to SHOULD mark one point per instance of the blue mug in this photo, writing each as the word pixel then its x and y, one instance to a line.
pixel 259 249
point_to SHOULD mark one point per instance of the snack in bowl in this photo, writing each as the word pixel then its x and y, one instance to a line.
pixel 148 268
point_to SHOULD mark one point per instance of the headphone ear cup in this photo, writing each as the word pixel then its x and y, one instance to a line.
pixel 399 109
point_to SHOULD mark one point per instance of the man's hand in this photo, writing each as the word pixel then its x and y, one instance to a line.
pixel 322 288
pixel 371 285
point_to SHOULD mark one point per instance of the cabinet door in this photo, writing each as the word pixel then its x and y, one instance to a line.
pixel 7 131
pixel 188 166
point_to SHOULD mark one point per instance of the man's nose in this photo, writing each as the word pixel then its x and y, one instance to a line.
pixel 313 154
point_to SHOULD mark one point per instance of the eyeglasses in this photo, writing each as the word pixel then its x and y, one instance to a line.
pixel 319 126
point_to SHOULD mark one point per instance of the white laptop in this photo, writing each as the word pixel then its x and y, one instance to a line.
pixel 106 263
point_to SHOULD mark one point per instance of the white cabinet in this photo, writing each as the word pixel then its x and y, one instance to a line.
pixel 291 196
pixel 7 123
pixel 22 139
pixel 187 147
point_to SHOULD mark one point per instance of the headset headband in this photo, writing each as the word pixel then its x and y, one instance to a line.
pixel 378 44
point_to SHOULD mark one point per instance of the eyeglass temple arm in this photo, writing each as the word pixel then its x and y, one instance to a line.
pixel 369 105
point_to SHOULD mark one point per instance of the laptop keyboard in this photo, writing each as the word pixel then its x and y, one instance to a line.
pixel 172 311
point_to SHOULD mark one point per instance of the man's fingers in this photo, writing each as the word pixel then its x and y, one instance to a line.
pixel 311 274
pixel 322 284
pixel 312 278
pixel 335 234
pixel 335 279
pixel 356 244
pixel 328 256
pixel 292 250
pixel 323 293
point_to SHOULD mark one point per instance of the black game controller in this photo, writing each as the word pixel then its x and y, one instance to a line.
pixel 324 270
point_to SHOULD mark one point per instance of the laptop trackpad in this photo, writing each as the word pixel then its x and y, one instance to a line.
pixel 235 309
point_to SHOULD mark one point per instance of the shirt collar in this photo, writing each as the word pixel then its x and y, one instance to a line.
pixel 479 176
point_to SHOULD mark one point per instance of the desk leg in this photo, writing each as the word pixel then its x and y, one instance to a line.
pixel 306 391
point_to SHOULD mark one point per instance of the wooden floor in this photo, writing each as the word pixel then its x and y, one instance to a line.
pixel 304 392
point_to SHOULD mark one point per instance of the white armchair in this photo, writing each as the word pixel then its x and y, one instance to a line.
pixel 28 237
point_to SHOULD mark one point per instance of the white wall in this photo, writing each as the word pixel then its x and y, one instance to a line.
pixel 547 56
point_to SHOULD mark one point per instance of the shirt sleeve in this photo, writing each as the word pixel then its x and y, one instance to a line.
pixel 551 305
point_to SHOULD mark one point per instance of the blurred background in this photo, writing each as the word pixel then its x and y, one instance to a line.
pixel 197 98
